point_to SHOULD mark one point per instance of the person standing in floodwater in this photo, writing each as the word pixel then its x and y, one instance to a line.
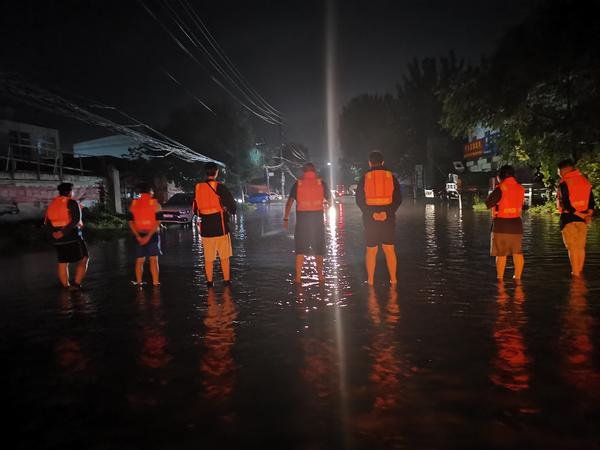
pixel 311 195
pixel 144 222
pixel 213 203
pixel 378 197
pixel 575 202
pixel 506 202
pixel 63 221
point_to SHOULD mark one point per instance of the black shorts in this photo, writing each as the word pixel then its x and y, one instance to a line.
pixel 377 233
pixel 71 252
pixel 152 248
pixel 310 233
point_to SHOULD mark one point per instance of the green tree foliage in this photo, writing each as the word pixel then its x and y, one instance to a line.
pixel 226 136
pixel 400 125
pixel 539 88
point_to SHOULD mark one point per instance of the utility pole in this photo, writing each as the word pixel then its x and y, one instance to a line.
pixel 281 159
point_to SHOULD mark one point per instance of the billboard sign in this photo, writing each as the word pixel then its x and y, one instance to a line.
pixel 474 149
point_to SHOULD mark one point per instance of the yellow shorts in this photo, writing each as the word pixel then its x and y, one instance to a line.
pixel 219 245
pixel 574 235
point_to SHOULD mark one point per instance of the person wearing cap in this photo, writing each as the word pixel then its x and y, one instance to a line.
pixel 311 195
pixel 144 222
pixel 63 222
pixel 506 203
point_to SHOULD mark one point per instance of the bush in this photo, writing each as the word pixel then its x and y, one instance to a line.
pixel 478 204
pixel 589 165
pixel 100 220
pixel 547 209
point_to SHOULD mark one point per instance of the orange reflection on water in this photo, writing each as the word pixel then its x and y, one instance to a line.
pixel 386 369
pixel 154 352
pixel 511 364
pixel 577 350
pixel 69 350
pixel 217 364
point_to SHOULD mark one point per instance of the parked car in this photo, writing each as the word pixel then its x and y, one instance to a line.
pixel 263 197
pixel 9 208
pixel 275 196
pixel 178 209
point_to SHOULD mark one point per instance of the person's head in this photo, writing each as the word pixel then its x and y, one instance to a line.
pixel 505 172
pixel 375 158
pixel 65 189
pixel 565 166
pixel 211 169
pixel 144 188
pixel 309 167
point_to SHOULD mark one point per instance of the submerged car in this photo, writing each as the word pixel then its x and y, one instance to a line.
pixel 178 209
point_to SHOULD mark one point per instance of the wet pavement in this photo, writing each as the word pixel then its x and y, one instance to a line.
pixel 449 359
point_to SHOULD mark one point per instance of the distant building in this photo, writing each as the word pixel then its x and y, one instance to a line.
pixel 116 146
pixel 29 142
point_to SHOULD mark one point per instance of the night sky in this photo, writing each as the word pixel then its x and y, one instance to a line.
pixel 114 52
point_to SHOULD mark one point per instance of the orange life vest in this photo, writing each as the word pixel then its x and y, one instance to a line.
pixel 379 187
pixel 58 212
pixel 208 201
pixel 579 191
pixel 511 203
pixel 143 210
pixel 310 193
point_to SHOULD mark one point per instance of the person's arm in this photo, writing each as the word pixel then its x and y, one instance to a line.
pixel 396 197
pixel 565 202
pixel 360 194
pixel 289 204
pixel 227 199
pixel 494 198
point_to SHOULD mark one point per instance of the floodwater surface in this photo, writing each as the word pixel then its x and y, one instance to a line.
pixel 448 359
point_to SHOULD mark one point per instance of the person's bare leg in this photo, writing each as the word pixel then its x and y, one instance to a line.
pixel 581 261
pixel 225 266
pixel 63 274
pixel 577 259
pixel 391 261
pixel 500 266
pixel 572 261
pixel 139 269
pixel 299 264
pixel 81 270
pixel 519 262
pixel 208 268
pixel 371 260
pixel 319 259
pixel 154 270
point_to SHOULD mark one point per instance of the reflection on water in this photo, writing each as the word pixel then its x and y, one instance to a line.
pixel 510 365
pixel 154 353
pixel 217 365
pixel 449 359
pixel 578 359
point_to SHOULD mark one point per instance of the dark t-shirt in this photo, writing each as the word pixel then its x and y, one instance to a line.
pixel 368 210
pixel 71 231
pixel 500 224
pixel 568 214
pixel 210 224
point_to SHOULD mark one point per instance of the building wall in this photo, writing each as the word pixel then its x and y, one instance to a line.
pixel 32 196
pixel 24 138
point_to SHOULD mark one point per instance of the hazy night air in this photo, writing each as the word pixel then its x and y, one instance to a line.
pixel 114 52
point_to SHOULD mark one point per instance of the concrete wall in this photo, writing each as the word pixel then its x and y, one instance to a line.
pixel 32 196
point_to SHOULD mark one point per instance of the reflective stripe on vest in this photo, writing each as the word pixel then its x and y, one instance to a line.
pixel 579 191
pixel 379 187
pixel 309 193
pixel 58 212
pixel 143 210
pixel 511 203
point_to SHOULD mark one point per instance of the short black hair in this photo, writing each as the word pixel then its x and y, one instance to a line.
pixel 64 188
pixel 211 168
pixel 376 157
pixel 144 188
pixel 309 167
pixel 506 171
pixel 566 163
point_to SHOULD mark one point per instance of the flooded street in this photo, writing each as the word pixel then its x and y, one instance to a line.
pixel 449 359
